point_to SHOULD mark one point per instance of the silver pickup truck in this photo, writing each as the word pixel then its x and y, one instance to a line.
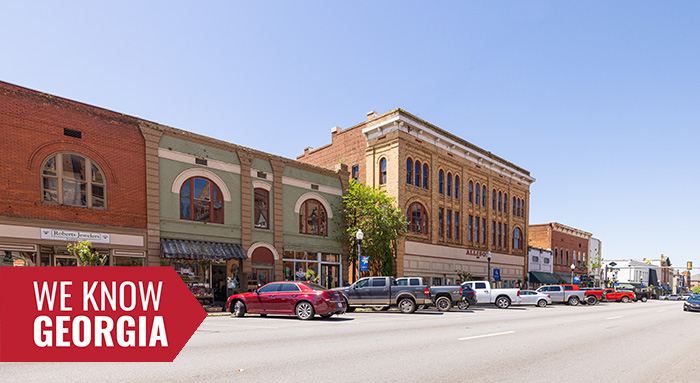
pixel 562 294
pixel 385 292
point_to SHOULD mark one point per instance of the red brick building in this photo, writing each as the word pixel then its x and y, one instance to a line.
pixel 569 246
pixel 69 171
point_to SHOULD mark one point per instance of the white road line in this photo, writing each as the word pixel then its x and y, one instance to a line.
pixel 617 317
pixel 487 335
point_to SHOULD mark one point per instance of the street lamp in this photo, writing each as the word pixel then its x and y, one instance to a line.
pixel 572 273
pixel 358 236
pixel 488 274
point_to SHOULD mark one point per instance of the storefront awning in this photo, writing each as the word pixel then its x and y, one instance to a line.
pixel 545 278
pixel 182 249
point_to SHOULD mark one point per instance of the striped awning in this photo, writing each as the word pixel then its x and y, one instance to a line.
pixel 183 249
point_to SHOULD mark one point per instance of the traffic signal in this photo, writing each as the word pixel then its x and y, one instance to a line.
pixel 690 265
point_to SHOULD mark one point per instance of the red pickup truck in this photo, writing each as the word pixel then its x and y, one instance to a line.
pixel 594 295
pixel 623 296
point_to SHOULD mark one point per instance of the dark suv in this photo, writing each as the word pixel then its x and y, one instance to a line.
pixel 692 304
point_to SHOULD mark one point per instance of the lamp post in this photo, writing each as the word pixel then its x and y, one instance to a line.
pixel 488 274
pixel 358 236
pixel 572 273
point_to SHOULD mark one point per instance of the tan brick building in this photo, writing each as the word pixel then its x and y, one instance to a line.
pixel 569 246
pixel 461 201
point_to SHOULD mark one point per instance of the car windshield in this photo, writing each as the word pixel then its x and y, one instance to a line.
pixel 316 286
pixel 694 298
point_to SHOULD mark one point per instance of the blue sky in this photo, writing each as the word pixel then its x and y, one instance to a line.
pixel 598 100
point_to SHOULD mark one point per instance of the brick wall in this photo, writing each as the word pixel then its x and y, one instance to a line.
pixel 347 147
pixel 32 126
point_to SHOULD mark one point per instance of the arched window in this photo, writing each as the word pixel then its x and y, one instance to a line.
pixel 505 203
pixel 418 173
pixel 471 191
pixel 493 199
pixel 262 208
pixel 500 201
pixel 73 179
pixel 478 194
pixel 517 240
pixel 522 208
pixel 457 186
pixel 449 184
pixel 483 193
pixel 514 207
pixel 518 208
pixel 425 176
pixel 409 171
pixel 441 182
pixel 201 200
pixel 312 218
pixel 417 219
pixel 382 171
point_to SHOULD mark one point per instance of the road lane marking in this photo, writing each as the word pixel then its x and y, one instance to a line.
pixel 617 317
pixel 487 335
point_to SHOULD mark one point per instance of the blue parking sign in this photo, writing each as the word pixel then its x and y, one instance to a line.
pixel 364 263
pixel 497 274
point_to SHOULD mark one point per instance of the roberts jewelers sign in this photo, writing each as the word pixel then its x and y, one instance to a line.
pixel 74 236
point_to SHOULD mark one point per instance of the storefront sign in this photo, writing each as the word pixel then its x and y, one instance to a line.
pixel 74 236
pixel 95 314
pixel 478 253
pixel 18 262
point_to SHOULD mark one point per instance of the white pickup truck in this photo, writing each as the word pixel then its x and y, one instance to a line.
pixel 502 298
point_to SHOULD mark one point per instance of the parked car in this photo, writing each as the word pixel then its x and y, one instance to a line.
pixel 303 299
pixel 593 295
pixel 385 292
pixel 685 296
pixel 673 297
pixel 530 297
pixel 443 297
pixel 468 298
pixel 624 296
pixel 641 295
pixel 502 298
pixel 560 294
pixel 692 304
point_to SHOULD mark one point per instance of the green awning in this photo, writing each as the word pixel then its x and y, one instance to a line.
pixel 544 278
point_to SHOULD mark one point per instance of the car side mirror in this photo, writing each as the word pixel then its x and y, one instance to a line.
pixel 257 292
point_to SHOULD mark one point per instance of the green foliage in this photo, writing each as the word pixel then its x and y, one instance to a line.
pixel 696 290
pixel 463 276
pixel 86 255
pixel 382 223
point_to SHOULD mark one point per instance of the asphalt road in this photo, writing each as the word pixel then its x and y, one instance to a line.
pixel 653 341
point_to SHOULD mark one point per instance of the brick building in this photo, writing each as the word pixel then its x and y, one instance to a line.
pixel 461 201
pixel 69 170
pixel 569 246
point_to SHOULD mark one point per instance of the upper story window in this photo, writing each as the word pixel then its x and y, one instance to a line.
pixel 514 207
pixel 471 192
pixel 417 219
pixel 201 200
pixel 441 222
pixel 441 182
pixel 493 199
pixel 313 218
pixel 382 171
pixel 425 176
pixel 418 178
pixel 500 201
pixel 356 172
pixel 478 194
pixel 72 179
pixel 409 171
pixel 522 208
pixel 456 186
pixel 449 184
pixel 262 208
pixel 483 193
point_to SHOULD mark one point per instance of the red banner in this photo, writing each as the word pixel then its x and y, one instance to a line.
pixel 95 314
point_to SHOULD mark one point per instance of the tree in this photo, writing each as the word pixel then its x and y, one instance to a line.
pixel 86 255
pixel 463 276
pixel 382 223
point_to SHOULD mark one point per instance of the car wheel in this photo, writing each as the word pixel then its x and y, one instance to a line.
pixel 348 309
pixel 644 299
pixel 542 303
pixel 591 300
pixel 239 309
pixel 625 299
pixel 380 308
pixel 263 315
pixel 407 306
pixel 573 301
pixel 462 305
pixel 304 310
pixel 326 316
pixel 685 308
pixel 502 302
pixel 443 304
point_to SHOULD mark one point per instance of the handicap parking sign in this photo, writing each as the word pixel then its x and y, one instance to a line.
pixel 497 274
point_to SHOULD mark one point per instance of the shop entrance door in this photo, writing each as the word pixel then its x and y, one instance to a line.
pixel 218 282
pixel 330 276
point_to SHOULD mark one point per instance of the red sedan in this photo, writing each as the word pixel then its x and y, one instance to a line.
pixel 303 299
